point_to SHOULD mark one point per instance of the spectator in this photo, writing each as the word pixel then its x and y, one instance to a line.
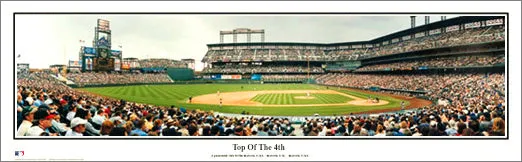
pixel 498 127
pixel 461 126
pixel 41 124
pixel 77 127
pixel 140 130
pixel 86 115
pixel 99 118
pixel 118 131
pixel 28 115
pixel 380 131
pixel 106 128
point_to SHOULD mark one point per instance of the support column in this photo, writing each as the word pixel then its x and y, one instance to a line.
pixel 426 22
pixel 412 26
pixel 95 38
pixel 263 37
pixel 412 21
pixel 221 38
pixel 248 37
pixel 235 38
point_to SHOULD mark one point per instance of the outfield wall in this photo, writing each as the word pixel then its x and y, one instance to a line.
pixel 180 73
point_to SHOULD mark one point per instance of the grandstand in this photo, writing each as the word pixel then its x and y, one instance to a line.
pixel 458 39
pixel 455 66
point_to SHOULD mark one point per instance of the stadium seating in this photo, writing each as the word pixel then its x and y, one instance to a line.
pixel 447 39
pixel 241 69
pixel 161 63
pixel 91 78
pixel 479 113
pixel 439 62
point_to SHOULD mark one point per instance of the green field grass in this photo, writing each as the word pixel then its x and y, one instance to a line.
pixel 167 95
pixel 289 99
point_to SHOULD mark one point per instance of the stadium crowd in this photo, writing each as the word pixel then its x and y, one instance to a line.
pixel 291 53
pixel 47 107
pixel 161 63
pixel 433 83
pixel 262 69
pixel 92 78
pixel 448 39
pixel 439 62
pixel 300 77
pixel 432 121
pixel 466 104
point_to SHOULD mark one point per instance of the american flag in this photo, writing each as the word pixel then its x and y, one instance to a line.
pixel 82 41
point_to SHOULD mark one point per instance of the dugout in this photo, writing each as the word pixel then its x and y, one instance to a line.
pixel 180 73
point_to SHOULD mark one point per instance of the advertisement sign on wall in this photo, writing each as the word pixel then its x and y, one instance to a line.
pixel 115 53
pixel 74 63
pixel 103 25
pixel 89 51
pixel 117 65
pixel 125 66
pixel 230 76
pixel 88 63
pixel 256 77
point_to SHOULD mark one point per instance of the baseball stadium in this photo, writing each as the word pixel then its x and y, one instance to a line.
pixel 442 78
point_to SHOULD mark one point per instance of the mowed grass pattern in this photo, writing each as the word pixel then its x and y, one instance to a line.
pixel 167 95
pixel 289 99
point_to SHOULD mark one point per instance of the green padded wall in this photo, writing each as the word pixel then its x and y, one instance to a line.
pixel 180 73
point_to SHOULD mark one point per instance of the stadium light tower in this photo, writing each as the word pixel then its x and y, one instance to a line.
pixel 246 31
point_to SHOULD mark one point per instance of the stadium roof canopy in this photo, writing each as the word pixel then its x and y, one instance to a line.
pixel 435 25
pixel 422 28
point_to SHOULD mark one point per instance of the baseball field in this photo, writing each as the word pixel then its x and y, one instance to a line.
pixel 260 99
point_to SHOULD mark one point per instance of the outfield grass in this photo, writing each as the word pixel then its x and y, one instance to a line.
pixel 290 99
pixel 167 95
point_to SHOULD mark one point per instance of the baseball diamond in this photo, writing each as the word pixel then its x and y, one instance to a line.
pixel 267 99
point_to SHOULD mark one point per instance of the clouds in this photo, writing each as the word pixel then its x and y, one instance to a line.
pixel 43 40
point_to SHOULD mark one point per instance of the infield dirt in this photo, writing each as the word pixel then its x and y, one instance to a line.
pixel 243 98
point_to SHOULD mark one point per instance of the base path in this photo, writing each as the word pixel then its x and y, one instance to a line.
pixel 243 98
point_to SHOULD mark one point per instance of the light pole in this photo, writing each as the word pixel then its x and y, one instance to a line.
pixel 308 61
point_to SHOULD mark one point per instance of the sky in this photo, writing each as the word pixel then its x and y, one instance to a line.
pixel 43 40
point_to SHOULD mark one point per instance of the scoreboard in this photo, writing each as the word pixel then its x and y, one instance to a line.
pixel 104 64
pixel 100 57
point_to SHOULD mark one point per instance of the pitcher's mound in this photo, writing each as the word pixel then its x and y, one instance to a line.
pixel 304 97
